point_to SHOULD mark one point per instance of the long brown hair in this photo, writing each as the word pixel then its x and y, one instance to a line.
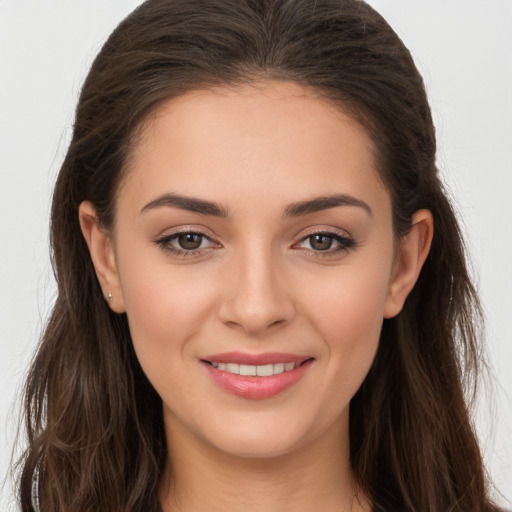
pixel 94 422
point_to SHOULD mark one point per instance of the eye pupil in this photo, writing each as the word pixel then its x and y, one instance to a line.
pixel 190 241
pixel 321 242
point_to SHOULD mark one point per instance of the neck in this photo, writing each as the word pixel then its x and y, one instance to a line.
pixel 315 477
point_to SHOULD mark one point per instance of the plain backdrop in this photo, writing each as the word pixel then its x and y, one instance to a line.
pixel 462 47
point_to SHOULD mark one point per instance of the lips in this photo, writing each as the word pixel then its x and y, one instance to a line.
pixel 265 370
pixel 256 376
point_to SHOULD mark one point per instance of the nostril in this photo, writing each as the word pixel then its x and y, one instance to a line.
pixel 255 312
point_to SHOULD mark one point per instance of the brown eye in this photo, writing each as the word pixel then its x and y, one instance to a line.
pixel 186 243
pixel 189 241
pixel 327 242
pixel 320 242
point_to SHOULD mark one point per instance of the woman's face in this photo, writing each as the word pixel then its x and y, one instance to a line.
pixel 253 236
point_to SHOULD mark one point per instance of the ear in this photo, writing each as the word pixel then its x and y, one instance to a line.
pixel 102 255
pixel 412 253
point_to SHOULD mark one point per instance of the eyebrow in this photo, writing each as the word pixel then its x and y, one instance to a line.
pixel 191 204
pixel 201 206
pixel 324 203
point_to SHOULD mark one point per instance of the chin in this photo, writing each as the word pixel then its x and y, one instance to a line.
pixel 263 437
pixel 257 446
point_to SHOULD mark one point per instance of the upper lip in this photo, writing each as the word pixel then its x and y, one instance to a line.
pixel 256 359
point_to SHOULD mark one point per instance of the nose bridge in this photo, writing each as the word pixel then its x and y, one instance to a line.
pixel 258 299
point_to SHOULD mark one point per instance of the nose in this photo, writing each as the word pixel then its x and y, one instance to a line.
pixel 256 298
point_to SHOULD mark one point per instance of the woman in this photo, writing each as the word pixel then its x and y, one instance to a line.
pixel 263 300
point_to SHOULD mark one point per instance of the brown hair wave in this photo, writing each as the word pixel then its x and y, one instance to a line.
pixel 94 422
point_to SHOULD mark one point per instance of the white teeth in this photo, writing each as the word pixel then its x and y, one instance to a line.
pixel 279 367
pixel 265 370
pixel 233 368
pixel 246 369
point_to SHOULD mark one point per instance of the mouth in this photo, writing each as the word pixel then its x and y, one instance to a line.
pixel 256 376
pixel 249 370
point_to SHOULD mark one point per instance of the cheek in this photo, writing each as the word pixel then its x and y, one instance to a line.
pixel 351 303
pixel 164 307
pixel 348 312
pixel 157 292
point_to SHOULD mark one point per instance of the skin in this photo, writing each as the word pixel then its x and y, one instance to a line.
pixel 258 283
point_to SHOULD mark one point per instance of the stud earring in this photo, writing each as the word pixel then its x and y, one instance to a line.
pixel 109 296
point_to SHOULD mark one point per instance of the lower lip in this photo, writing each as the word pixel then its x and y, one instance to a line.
pixel 257 388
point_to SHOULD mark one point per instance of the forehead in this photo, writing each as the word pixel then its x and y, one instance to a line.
pixel 252 138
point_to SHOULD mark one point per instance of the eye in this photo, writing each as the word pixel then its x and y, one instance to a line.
pixel 185 243
pixel 319 242
pixel 326 242
pixel 189 241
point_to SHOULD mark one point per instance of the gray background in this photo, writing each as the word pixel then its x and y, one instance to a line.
pixel 462 47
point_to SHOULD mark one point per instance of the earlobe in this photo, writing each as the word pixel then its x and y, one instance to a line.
pixel 411 255
pixel 102 255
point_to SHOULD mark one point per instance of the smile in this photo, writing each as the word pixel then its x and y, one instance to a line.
pixel 265 370
pixel 256 377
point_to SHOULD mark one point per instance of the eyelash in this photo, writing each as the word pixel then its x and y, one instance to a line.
pixel 165 243
pixel 344 242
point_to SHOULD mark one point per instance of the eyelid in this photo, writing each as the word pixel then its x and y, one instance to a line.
pixel 314 230
pixel 164 239
pixel 324 230
pixel 186 228
pixel 345 240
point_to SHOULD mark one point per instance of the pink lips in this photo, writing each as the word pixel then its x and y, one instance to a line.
pixel 256 387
